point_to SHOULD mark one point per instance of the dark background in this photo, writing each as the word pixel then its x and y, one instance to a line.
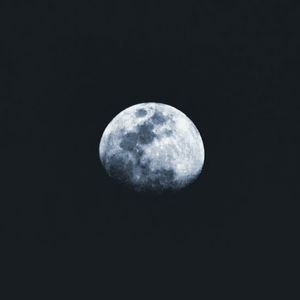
pixel 71 67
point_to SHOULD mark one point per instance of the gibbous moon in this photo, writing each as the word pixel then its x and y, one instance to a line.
pixel 152 146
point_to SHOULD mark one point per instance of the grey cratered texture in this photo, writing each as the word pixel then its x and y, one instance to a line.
pixel 152 146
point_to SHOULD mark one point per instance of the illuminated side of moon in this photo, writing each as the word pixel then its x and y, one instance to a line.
pixel 152 146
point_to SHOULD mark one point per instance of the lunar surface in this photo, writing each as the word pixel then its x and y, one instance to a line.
pixel 152 146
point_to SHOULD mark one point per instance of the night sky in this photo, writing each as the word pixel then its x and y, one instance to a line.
pixel 69 68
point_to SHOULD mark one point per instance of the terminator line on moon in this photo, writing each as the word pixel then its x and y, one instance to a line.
pixel 152 146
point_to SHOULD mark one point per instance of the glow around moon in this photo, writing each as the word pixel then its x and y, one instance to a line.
pixel 152 146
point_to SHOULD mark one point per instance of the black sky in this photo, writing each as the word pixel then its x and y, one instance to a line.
pixel 71 67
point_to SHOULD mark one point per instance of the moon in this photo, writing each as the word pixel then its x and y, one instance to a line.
pixel 152 147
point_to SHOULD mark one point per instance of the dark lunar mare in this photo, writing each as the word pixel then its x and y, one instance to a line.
pixel 145 133
pixel 129 141
pixel 141 113
pixel 158 118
